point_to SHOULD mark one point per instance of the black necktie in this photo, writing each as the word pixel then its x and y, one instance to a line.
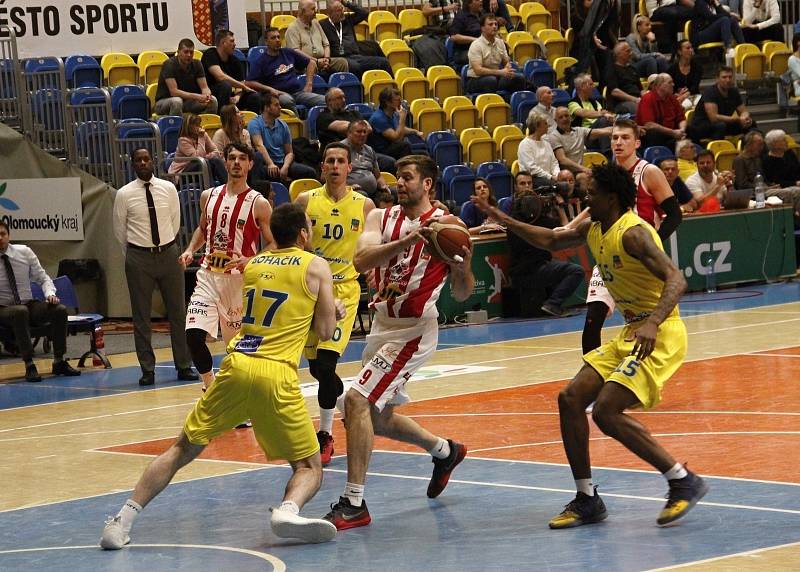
pixel 12 280
pixel 151 208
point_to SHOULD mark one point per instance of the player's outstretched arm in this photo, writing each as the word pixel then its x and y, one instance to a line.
pixel 319 281
pixel 370 252
pixel 638 243
pixel 199 235
pixel 462 281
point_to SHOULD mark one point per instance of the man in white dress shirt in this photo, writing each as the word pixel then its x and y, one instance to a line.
pixel 147 218
pixel 18 309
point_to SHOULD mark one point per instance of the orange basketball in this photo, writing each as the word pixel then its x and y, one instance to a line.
pixel 450 234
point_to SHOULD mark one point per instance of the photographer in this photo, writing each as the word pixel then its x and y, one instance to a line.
pixel 542 284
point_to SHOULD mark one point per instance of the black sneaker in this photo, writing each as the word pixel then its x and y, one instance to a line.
pixel 582 510
pixel 683 495
pixel 343 515
pixel 443 467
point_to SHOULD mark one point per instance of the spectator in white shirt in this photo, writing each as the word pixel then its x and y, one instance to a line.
pixel 761 20
pixel 535 154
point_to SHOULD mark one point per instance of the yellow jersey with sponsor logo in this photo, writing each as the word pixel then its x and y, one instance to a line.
pixel 634 288
pixel 277 306
pixel 336 228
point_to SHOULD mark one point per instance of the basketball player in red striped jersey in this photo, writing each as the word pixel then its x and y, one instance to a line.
pixel 404 334
pixel 654 200
pixel 233 219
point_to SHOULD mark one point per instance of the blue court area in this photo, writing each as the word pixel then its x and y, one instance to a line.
pixel 493 515
pixel 123 380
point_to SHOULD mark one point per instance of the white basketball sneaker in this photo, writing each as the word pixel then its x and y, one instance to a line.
pixel 289 525
pixel 114 537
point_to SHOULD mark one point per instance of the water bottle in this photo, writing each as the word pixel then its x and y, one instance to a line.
pixel 761 191
pixel 711 276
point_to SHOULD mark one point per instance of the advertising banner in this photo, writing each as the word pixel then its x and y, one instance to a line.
pixel 42 209
pixel 65 27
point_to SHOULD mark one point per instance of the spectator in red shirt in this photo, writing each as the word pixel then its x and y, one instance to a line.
pixel 661 114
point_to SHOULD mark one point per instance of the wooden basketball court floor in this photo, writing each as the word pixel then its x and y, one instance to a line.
pixel 71 450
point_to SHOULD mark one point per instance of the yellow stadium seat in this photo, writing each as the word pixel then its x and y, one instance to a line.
pixel 555 45
pixel 720 145
pixel 149 64
pixel 750 61
pixel 389 178
pixel 119 69
pixel 443 81
pixel 534 17
pixel 569 36
pixel 411 19
pixel 507 138
pixel 301 186
pixel 493 110
pixel 724 159
pixel 478 146
pixel 248 116
pixel 296 125
pixel 362 31
pixel 428 115
pixel 591 158
pixel 687 29
pixel 210 122
pixel 282 21
pixel 515 168
pixel 413 85
pixel 560 65
pixel 777 54
pixel 197 54
pixel 150 91
pixel 512 11
pixel 398 53
pixel 461 113
pixel 383 25
pixel 522 47
pixel 374 82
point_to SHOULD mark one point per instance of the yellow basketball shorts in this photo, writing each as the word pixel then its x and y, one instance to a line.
pixel 350 293
pixel 645 378
pixel 262 390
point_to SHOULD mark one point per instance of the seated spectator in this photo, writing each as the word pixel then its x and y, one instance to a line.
pixel 712 23
pixel 19 311
pixel 541 283
pixel 569 143
pixel 182 86
pixel 751 161
pixel 761 20
pixel 306 37
pixel 535 154
pixel 340 30
pixel 573 188
pixel 441 13
pixel 544 95
pixel 780 164
pixel 499 9
pixel 389 128
pixel 672 14
pixel 686 74
pixel 365 171
pixel 686 151
pixel 465 29
pixel 225 74
pixel 707 185
pixel 794 65
pixel 234 131
pixel 597 27
pixel 622 81
pixel 669 166
pixel 271 138
pixel 475 219
pixel 714 115
pixel 490 67
pixel 661 114
pixel 645 55
pixel 523 185
pixel 193 141
pixel 584 109
pixel 275 72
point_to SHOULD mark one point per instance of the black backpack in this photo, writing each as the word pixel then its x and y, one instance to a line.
pixel 429 51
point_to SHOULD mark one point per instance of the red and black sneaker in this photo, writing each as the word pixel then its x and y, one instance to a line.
pixel 325 447
pixel 344 515
pixel 443 467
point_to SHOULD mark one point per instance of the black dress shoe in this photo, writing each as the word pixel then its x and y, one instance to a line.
pixel 187 374
pixel 63 368
pixel 31 373
pixel 148 378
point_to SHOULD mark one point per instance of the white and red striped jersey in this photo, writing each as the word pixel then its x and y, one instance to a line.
pixel 230 227
pixel 646 206
pixel 408 286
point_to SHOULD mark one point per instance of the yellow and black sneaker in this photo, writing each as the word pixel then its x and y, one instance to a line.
pixel 683 495
pixel 582 510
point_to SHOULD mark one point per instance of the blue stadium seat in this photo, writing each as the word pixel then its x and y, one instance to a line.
pixel 504 204
pixel 458 182
pixel 500 179
pixel 349 84
pixel 130 102
pixel 48 109
pixel 170 127
pixel 561 97
pixel 254 53
pixel 79 322
pixel 281 193
pixel 445 148
pixel 239 55
pixel 365 109
pixel 450 47
pixel 539 73
pixel 521 104
pixel 656 152
pixel 91 142
pixel 87 95
pixel 311 121
pixel 82 71
pixel 319 86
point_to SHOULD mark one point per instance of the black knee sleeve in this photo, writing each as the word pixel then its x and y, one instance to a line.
pixel 201 356
pixel 595 318
pixel 330 384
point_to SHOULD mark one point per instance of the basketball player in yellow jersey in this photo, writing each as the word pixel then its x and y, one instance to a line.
pixel 630 370
pixel 337 214
pixel 286 292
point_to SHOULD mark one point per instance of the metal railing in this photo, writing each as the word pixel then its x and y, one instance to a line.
pixel 128 135
pixel 190 186
pixel 44 86
pixel 89 121
pixel 10 72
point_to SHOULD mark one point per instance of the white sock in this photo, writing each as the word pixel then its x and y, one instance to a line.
pixel 585 486
pixel 676 472
pixel 290 506
pixel 354 493
pixel 441 450
pixel 208 378
pixel 326 420
pixel 128 513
